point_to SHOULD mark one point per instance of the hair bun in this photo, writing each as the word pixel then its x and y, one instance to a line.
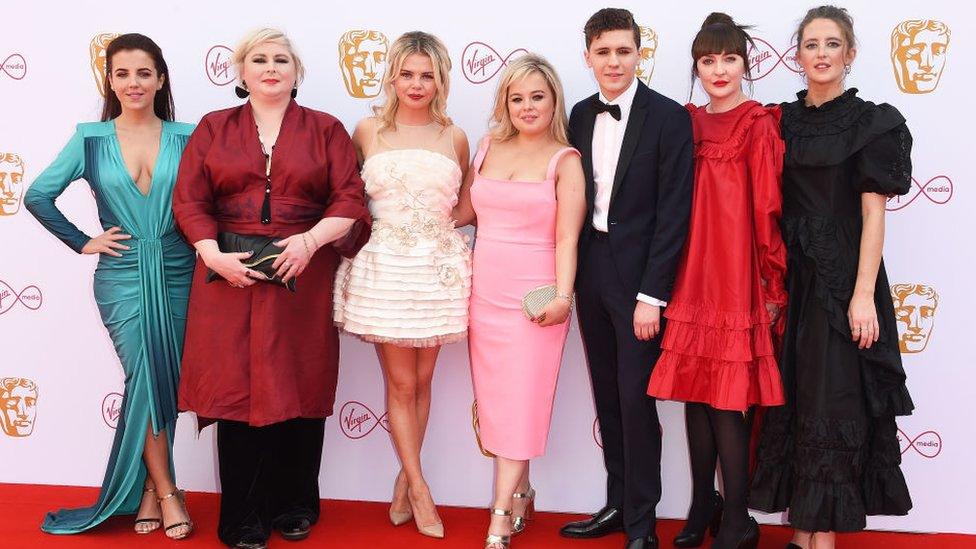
pixel 718 18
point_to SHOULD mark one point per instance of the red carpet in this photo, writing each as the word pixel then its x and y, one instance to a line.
pixel 357 524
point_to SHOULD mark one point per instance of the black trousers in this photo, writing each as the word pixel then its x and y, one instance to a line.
pixel 267 475
pixel 620 367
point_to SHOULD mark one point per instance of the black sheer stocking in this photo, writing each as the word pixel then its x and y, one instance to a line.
pixel 718 436
pixel 703 452
pixel 731 430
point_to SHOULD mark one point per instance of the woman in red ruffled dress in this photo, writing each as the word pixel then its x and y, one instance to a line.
pixel 717 353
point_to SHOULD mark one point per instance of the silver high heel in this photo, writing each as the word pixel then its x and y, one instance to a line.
pixel 492 541
pixel 519 523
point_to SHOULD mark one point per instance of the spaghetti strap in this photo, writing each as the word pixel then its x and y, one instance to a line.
pixel 554 161
pixel 482 151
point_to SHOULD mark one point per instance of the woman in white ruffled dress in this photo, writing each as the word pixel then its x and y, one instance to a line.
pixel 407 290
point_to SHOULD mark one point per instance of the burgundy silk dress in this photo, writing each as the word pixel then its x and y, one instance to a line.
pixel 717 347
pixel 263 355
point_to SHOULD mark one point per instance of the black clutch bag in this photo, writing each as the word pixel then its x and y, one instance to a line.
pixel 263 255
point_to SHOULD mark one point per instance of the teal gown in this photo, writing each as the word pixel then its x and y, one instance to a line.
pixel 141 296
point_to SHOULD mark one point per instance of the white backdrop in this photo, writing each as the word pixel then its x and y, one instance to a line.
pixel 50 330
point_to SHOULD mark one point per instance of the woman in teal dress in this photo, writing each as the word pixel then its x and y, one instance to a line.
pixel 142 281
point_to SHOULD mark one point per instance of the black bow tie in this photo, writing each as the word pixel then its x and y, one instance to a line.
pixel 600 106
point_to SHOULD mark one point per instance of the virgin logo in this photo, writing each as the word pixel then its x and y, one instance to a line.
pixel 357 420
pixel 764 58
pixel 927 444
pixel 30 297
pixel 14 66
pixel 480 62
pixel 112 409
pixel 219 67
pixel 937 190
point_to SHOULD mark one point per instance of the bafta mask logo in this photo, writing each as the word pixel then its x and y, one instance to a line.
pixel 220 68
pixel 915 306
pixel 648 51
pixel 98 62
pixel 14 66
pixel 918 54
pixel 11 183
pixel 18 395
pixel 112 409
pixel 362 62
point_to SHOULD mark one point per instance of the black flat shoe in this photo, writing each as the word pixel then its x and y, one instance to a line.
pixel 603 522
pixel 750 538
pixel 295 529
pixel 695 538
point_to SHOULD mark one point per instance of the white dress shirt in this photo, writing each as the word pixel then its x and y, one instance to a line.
pixel 608 136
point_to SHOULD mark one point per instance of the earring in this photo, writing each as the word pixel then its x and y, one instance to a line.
pixel 847 69
pixel 241 91
pixel 294 92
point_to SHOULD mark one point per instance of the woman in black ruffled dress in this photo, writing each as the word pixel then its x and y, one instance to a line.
pixel 831 454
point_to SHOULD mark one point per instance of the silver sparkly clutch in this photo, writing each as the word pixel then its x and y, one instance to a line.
pixel 536 300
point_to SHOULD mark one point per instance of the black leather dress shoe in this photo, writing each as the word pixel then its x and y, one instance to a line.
pixel 649 542
pixel 295 529
pixel 603 522
pixel 251 543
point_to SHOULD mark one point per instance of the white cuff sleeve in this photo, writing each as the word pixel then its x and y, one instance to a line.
pixel 651 300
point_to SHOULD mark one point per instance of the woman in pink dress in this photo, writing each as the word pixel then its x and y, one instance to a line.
pixel 526 189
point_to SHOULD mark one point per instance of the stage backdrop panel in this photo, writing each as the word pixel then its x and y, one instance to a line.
pixel 62 381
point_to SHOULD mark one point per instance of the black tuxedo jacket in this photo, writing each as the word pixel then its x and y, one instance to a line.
pixel 651 197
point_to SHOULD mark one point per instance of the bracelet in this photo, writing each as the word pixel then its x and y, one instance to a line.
pixel 567 297
pixel 308 254
pixel 314 241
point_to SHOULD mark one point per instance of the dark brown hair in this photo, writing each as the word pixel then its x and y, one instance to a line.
pixel 721 34
pixel 163 102
pixel 610 19
pixel 833 13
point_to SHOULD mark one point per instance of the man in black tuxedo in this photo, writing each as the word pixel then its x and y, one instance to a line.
pixel 637 157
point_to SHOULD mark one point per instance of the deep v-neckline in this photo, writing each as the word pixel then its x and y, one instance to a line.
pixel 155 163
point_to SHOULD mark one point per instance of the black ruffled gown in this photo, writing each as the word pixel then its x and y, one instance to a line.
pixel 831 454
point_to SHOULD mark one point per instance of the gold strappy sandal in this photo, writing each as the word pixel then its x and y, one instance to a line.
pixel 494 541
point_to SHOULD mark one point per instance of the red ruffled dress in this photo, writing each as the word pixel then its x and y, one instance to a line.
pixel 718 346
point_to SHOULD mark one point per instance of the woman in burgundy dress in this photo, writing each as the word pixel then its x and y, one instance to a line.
pixel 717 353
pixel 262 361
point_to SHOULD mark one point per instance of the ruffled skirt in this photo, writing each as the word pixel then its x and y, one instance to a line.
pixel 723 359
pixel 412 296
pixel 831 455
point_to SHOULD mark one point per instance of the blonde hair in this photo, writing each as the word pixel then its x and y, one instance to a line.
pixel 422 43
pixel 502 128
pixel 261 36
